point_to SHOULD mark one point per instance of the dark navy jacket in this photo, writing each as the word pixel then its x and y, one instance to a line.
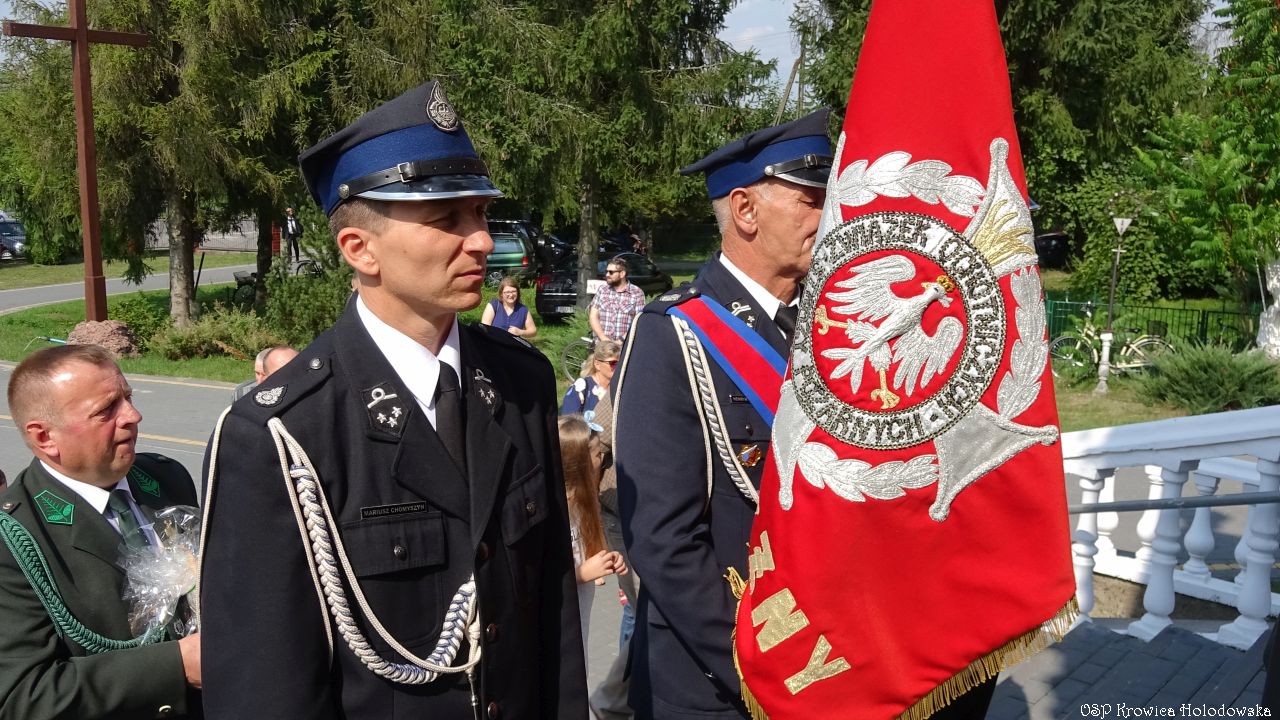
pixel 413 527
pixel 680 544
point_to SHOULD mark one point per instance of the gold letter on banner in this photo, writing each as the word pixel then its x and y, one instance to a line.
pixel 781 619
pixel 818 667
pixel 761 560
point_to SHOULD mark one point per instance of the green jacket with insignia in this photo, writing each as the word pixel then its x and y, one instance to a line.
pixel 43 675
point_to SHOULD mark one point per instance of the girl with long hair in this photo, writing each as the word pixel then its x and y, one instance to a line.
pixel 583 458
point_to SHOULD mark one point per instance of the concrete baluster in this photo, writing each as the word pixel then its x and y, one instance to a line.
pixel 1149 521
pixel 1158 598
pixel 1107 521
pixel 1199 540
pixel 1254 600
pixel 1084 546
pixel 1242 547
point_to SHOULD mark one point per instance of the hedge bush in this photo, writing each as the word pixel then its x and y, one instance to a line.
pixel 1212 378
pixel 219 331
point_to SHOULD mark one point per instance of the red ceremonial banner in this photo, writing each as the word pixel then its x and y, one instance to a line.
pixel 912 537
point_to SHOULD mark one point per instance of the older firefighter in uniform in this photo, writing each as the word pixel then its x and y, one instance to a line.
pixel 685 518
pixel 387 533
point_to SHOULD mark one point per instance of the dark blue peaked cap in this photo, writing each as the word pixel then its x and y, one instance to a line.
pixel 409 148
pixel 798 152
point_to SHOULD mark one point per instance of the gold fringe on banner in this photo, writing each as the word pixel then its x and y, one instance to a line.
pixel 979 671
pixel 984 668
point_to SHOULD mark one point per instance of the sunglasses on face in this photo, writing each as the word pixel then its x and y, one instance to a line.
pixel 610 363
pixel 612 272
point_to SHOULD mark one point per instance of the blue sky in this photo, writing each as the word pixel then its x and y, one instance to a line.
pixel 763 24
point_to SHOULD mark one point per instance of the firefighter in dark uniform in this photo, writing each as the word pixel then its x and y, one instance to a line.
pixel 387 531
pixel 683 530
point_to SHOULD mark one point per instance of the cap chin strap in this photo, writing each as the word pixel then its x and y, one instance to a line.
pixel 789 170
pixel 409 171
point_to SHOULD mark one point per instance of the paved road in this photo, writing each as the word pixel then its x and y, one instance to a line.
pixel 23 298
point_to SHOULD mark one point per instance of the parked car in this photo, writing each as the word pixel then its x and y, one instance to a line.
pixel 13 238
pixel 533 236
pixel 557 291
pixel 512 255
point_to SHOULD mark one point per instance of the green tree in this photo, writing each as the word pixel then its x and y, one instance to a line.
pixel 1213 171
pixel 1089 79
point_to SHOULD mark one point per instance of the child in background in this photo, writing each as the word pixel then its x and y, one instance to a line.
pixel 583 457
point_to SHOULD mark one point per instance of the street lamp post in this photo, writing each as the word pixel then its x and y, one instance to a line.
pixel 1104 364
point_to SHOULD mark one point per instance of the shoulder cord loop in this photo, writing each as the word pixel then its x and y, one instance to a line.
pixel 315 523
pixel 709 410
pixel 33 565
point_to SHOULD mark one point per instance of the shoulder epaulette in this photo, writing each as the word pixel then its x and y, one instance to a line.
pixel 287 385
pixel 684 293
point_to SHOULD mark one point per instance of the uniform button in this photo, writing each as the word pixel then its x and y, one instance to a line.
pixel 494 711
pixel 400 552
pixel 531 508
pixel 749 431
pixel 164 711
pixel 7 506
pixel 482 552
pixel 491 632
pixel 315 364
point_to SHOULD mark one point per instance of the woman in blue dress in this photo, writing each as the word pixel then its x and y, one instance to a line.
pixel 507 312
pixel 597 372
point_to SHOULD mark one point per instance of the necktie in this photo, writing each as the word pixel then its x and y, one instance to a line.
pixel 449 415
pixel 126 522
pixel 785 319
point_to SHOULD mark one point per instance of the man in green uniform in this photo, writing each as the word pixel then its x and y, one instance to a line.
pixel 66 648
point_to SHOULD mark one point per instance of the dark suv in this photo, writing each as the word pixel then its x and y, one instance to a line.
pixel 13 238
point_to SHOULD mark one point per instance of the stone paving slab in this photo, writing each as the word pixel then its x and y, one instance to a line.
pixel 1097 673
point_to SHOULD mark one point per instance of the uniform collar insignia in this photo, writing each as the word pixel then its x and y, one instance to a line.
pixel 387 411
pixel 743 312
pixel 55 509
pixel 267 398
pixel 484 388
pixel 145 482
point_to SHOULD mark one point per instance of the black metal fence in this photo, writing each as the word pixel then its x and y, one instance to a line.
pixel 1230 327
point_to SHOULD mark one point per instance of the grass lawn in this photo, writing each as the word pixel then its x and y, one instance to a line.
pixel 1080 409
pixel 21 274
pixel 21 333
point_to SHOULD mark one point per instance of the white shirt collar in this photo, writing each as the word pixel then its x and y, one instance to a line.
pixel 764 299
pixel 92 494
pixel 417 368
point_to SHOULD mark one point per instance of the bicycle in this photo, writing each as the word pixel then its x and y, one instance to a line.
pixel 1073 352
pixel 308 267
pixel 575 354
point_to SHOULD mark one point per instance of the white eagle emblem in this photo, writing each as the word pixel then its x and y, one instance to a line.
pixel 868 297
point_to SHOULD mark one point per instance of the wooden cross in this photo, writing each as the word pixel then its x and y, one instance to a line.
pixel 80 36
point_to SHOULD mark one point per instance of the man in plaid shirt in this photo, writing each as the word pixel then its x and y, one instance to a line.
pixel 615 304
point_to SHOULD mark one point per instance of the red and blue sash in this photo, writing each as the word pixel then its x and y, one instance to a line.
pixel 751 363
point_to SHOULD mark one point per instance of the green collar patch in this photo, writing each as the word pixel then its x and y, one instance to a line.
pixel 55 509
pixel 145 482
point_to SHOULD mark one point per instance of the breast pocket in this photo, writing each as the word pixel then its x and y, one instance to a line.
pixel 524 510
pixel 748 437
pixel 399 563
pixel 741 423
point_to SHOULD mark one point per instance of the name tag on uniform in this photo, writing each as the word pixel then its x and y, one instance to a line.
pixel 378 511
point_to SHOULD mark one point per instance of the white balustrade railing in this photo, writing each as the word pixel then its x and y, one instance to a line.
pixel 1241 447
